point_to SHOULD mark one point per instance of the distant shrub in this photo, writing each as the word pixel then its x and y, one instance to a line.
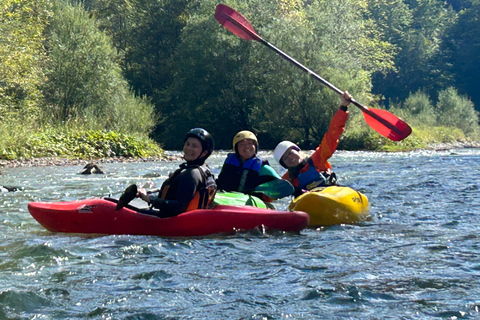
pixel 417 110
pixel 457 111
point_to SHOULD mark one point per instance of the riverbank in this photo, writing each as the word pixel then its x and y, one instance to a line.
pixel 59 161
pixel 453 145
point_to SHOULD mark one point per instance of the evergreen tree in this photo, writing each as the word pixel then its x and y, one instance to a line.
pixel 416 28
pixel 461 49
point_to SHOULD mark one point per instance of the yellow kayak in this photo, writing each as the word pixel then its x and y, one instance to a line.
pixel 332 205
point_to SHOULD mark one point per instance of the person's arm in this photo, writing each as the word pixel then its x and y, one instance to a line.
pixel 330 140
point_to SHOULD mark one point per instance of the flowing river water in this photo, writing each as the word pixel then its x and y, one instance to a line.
pixel 418 258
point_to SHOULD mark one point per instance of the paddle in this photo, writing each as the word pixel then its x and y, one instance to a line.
pixel 128 195
pixel 275 189
pixel 382 121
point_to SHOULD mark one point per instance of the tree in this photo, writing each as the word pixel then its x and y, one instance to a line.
pixel 220 78
pixel 21 57
pixel 416 28
pixel 85 82
pixel 461 49
pixel 333 40
pixel 146 33
pixel 457 111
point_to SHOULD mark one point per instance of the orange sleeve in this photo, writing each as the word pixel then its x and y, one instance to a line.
pixel 330 141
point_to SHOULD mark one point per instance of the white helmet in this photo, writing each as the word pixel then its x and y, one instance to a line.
pixel 281 148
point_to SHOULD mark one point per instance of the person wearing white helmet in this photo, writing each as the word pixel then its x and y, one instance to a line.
pixel 243 170
pixel 306 173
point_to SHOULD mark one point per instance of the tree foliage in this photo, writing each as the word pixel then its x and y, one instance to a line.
pixel 219 77
pixel 461 49
pixel 457 111
pixel 21 57
pixel 416 29
pixel 85 82
pixel 132 65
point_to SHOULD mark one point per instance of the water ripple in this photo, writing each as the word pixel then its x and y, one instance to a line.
pixel 418 258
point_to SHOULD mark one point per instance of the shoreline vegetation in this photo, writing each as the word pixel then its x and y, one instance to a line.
pixel 129 84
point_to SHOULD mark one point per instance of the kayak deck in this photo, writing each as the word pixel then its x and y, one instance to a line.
pixel 99 216
pixel 332 206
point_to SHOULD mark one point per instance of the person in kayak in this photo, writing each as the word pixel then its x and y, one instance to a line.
pixel 306 173
pixel 243 170
pixel 190 187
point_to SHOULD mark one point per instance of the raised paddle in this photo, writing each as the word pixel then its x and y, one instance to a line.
pixel 382 121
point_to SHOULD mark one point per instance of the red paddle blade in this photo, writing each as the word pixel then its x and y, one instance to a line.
pixel 387 124
pixel 235 22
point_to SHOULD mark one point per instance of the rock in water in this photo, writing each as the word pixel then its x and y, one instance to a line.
pixel 91 168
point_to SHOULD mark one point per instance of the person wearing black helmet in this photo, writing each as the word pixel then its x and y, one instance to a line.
pixel 190 187
pixel 243 170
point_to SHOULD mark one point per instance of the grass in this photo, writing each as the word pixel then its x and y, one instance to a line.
pixel 364 138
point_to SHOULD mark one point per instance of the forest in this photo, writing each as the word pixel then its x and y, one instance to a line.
pixel 125 77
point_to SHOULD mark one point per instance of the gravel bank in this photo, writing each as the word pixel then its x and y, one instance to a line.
pixel 454 145
pixel 54 161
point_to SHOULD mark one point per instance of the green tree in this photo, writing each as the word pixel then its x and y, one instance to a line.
pixel 220 78
pixel 461 49
pixel 416 28
pixel 212 84
pixel 457 111
pixel 146 33
pixel 333 40
pixel 418 110
pixel 85 82
pixel 21 57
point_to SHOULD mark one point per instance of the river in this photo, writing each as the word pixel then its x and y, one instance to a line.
pixel 418 258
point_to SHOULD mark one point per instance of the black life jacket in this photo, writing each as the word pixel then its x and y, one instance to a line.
pixel 204 193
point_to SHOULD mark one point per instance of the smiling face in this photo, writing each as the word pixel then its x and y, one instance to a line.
pixel 246 148
pixel 292 158
pixel 192 149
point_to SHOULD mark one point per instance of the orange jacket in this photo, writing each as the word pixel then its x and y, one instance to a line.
pixel 326 148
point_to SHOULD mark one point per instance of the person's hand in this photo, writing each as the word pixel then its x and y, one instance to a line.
pixel 346 99
pixel 142 194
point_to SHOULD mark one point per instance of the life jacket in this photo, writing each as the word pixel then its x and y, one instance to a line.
pixel 241 176
pixel 206 189
pixel 312 178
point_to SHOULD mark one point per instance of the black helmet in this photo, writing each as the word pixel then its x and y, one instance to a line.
pixel 205 138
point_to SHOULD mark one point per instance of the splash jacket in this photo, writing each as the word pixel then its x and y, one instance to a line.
pixel 316 170
pixel 190 187
pixel 244 176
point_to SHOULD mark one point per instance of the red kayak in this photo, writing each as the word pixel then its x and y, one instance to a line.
pixel 99 216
